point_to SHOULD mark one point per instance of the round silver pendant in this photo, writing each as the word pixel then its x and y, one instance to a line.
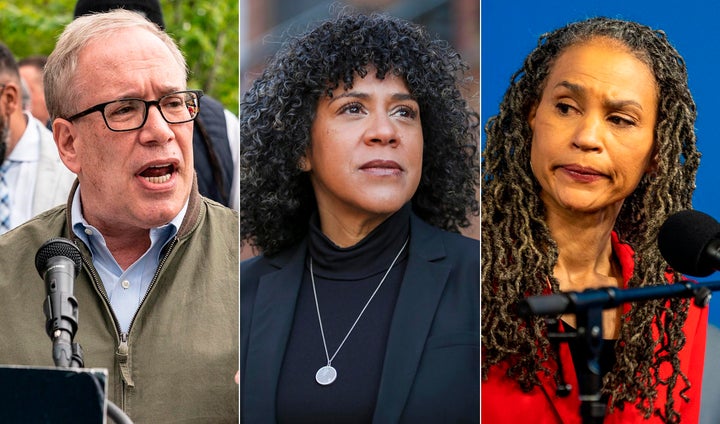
pixel 326 375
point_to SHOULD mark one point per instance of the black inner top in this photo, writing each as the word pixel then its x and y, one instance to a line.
pixel 345 278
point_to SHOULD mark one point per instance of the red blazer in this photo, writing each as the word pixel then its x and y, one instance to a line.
pixel 503 402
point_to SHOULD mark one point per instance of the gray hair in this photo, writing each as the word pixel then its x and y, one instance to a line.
pixel 60 71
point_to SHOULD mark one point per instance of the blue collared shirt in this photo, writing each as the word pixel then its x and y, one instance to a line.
pixel 125 289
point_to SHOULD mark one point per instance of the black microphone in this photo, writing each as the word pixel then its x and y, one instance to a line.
pixel 689 241
pixel 59 261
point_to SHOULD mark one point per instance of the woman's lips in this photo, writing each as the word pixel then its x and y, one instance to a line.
pixel 381 167
pixel 581 173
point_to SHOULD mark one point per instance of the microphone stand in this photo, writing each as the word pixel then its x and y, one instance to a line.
pixel 587 307
pixel 66 352
pixel 69 354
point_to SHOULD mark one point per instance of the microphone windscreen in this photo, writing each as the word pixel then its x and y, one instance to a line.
pixel 682 240
pixel 57 247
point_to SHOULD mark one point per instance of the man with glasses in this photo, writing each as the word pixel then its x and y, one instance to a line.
pixel 158 289
pixel 216 136
pixel 32 177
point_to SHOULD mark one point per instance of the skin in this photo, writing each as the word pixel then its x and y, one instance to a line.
pixel 33 78
pixel 115 197
pixel 593 140
pixel 365 158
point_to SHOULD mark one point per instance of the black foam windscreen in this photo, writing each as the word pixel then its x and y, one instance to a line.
pixel 683 240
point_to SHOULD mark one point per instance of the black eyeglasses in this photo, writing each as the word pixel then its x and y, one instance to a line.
pixel 131 114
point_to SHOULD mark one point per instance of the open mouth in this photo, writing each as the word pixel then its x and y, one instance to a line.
pixel 158 174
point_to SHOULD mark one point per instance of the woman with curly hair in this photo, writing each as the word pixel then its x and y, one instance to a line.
pixel 358 166
pixel 592 149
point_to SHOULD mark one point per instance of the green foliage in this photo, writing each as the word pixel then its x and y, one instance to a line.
pixel 32 26
pixel 207 32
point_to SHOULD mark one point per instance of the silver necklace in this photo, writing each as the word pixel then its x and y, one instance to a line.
pixel 327 374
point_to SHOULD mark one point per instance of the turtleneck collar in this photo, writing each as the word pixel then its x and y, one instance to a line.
pixel 371 255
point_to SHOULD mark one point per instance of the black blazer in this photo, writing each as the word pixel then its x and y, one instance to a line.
pixel 431 368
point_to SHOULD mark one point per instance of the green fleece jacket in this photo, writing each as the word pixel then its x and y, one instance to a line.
pixel 178 361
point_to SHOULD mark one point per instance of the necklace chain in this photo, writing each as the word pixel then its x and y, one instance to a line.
pixel 317 306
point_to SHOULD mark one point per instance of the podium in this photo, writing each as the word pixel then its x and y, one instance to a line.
pixel 52 395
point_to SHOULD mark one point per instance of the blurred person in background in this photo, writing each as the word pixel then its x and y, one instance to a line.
pixel 32 176
pixel 31 71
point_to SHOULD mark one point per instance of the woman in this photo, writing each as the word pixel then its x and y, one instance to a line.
pixel 592 149
pixel 359 153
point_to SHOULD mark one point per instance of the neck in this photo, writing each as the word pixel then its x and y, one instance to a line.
pixel 585 257
pixel 348 230
pixel 126 249
pixel 126 243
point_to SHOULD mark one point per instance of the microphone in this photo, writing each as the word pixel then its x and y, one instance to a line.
pixel 689 241
pixel 58 262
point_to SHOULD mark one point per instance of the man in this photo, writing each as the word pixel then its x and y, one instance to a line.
pixel 32 177
pixel 216 137
pixel 158 290
pixel 31 71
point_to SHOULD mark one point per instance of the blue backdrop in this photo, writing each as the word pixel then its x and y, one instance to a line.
pixel 509 31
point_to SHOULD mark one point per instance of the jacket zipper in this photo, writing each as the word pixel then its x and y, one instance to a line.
pixel 154 279
pixel 123 351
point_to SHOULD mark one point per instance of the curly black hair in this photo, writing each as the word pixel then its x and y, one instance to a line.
pixel 276 114
pixel 518 251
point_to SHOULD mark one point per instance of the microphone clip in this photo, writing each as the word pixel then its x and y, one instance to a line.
pixel 556 337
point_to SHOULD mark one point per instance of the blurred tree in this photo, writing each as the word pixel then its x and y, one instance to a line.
pixel 206 31
pixel 32 26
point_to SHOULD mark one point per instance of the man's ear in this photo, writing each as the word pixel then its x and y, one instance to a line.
pixel 66 141
pixel 14 97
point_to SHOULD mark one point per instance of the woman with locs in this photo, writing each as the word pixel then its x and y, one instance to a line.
pixel 358 167
pixel 592 149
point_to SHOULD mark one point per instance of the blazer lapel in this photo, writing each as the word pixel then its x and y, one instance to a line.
pixel 421 290
pixel 269 332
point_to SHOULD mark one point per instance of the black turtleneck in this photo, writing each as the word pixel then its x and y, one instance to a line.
pixel 344 279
